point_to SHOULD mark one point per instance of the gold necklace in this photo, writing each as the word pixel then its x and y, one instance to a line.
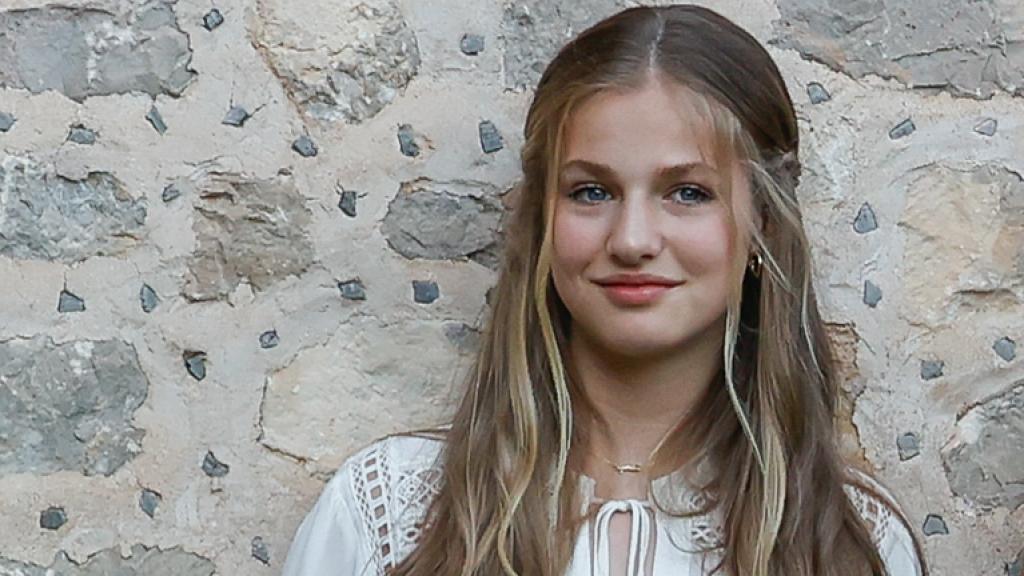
pixel 637 468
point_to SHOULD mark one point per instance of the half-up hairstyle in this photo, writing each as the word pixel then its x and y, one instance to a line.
pixel 766 426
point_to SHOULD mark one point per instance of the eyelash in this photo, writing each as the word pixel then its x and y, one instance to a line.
pixel 704 193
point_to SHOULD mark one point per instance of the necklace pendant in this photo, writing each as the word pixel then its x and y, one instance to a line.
pixel 624 468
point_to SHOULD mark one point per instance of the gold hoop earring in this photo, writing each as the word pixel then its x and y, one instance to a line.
pixel 754 264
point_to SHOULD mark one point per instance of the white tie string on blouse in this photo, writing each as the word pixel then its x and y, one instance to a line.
pixel 641 528
pixel 369 517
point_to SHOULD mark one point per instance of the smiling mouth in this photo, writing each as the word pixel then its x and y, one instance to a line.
pixel 635 294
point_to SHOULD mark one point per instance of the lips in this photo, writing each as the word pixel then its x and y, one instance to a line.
pixel 635 289
pixel 637 280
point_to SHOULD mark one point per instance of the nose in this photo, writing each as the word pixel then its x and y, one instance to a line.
pixel 635 234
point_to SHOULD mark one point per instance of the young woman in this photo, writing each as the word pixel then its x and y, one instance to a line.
pixel 654 392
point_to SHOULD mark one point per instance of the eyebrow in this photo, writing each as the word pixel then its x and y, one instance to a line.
pixel 605 171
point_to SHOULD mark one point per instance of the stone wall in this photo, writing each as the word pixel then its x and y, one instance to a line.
pixel 240 239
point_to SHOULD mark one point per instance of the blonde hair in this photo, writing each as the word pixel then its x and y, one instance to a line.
pixel 508 501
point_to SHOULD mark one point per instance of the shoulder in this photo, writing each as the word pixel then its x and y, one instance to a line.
pixel 389 485
pixel 880 511
pixel 367 516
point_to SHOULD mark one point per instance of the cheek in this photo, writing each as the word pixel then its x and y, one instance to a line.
pixel 574 242
pixel 704 248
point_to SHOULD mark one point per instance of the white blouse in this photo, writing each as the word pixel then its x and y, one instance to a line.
pixel 369 516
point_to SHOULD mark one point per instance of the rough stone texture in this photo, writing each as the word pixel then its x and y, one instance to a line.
pixel 68 406
pixel 213 467
pixel 425 291
pixel 52 518
pixel 260 551
pixel 7 121
pixel 239 238
pixel 251 231
pixel 83 52
pixel 902 130
pixel 817 93
pixel 45 216
pixel 534 30
pixel 149 501
pixel 872 294
pixel 968 48
pixel 934 524
pixel 983 460
pixel 407 141
pixel 69 302
pixel 965 231
pixel 865 221
pixel 343 392
pixel 339 61
pixel 142 561
pixel 444 220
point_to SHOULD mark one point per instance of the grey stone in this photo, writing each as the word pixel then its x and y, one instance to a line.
pixel 464 337
pixel 347 203
pixel 247 230
pixel 6 121
pixel 987 127
pixel 68 302
pixel 817 93
pixel 425 291
pixel 490 138
pixel 81 135
pixel 156 120
pixel 213 19
pixel 85 51
pixel 445 220
pixel 195 363
pixel 269 339
pixel 407 141
pixel 872 294
pixel 305 146
pixel 53 518
pixel 260 551
pixel 68 406
pixel 865 221
pixel 213 467
pixel 352 290
pixel 149 500
pixel 236 116
pixel 934 524
pixel 171 191
pixel 533 30
pixel 908 446
pixel 108 562
pixel 902 130
pixel 970 49
pixel 1016 568
pixel 364 67
pixel 49 217
pixel 471 44
pixel 931 369
pixel 1005 348
pixel 148 298
pixel 983 461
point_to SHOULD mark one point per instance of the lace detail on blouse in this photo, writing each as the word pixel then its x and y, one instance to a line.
pixel 393 492
pixel 875 513
pixel 393 500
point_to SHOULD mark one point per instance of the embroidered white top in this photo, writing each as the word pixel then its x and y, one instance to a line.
pixel 369 516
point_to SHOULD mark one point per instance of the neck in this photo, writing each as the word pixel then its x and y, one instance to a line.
pixel 636 401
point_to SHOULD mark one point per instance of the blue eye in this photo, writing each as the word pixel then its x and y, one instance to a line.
pixel 701 195
pixel 592 194
pixel 588 198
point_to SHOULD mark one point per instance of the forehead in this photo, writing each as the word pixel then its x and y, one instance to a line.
pixel 637 129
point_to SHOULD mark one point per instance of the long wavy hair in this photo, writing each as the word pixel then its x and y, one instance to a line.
pixel 508 502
